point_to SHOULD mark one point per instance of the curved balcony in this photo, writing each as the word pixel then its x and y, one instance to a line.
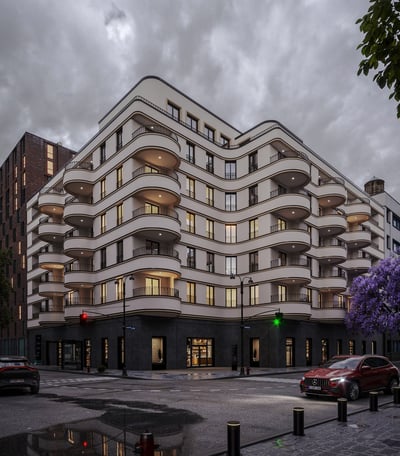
pixel 290 206
pixel 333 283
pixel 289 240
pixel 79 247
pixel 330 254
pixel 78 278
pixel 329 194
pixel 360 264
pixel 78 179
pixel 51 232
pixel 75 307
pixel 290 272
pixel 79 214
pixel 51 202
pixel 357 239
pixel 52 260
pixel 161 188
pixel 293 305
pixel 51 318
pixel 157 146
pixel 357 212
pixel 52 288
pixel 329 225
pixel 165 302
pixel 164 225
pixel 163 259
pixel 330 313
pixel 290 172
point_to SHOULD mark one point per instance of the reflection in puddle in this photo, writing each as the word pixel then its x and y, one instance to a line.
pixel 116 433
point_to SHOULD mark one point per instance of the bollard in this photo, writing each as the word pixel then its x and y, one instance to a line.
pixel 342 409
pixel 298 421
pixel 146 446
pixel 396 394
pixel 373 401
pixel 233 428
pixel 247 370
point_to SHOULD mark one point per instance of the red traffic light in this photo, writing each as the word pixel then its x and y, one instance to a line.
pixel 83 318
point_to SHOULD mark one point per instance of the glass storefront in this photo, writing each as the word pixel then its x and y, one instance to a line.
pixel 199 352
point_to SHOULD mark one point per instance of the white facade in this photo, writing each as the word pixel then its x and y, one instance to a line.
pixel 171 195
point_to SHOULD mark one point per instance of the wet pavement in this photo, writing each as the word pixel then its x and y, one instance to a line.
pixel 362 433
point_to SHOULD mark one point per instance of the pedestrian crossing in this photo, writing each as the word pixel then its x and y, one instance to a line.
pixel 57 382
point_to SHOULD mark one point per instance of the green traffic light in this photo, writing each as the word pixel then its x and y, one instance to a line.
pixel 277 321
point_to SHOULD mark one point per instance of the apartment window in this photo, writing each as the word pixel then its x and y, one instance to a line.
pixel 120 214
pixel 253 195
pixel 190 187
pixel 49 160
pixel 119 289
pixel 191 292
pixel 230 234
pixel 388 212
pixel 230 169
pixel 282 293
pixel 230 201
pixel 281 224
pixel 309 294
pixel 230 265
pixel 224 140
pixel 191 222
pixel 253 162
pixel 191 257
pixel 103 190
pixel 150 208
pixel 103 293
pixel 190 152
pixel 253 228
pixel 210 262
pixel 120 251
pixel 119 138
pixel 210 295
pixel 103 258
pixel 209 195
pixel 192 122
pixel 174 111
pixel 396 221
pixel 152 286
pixel 102 153
pixel 254 292
pixel 209 132
pixel 210 228
pixel 396 247
pixel 152 247
pixel 103 225
pixel 388 242
pixel 230 297
pixel 119 177
pixel 253 261
pixel 210 163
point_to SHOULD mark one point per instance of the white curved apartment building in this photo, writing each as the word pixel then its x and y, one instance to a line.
pixel 219 229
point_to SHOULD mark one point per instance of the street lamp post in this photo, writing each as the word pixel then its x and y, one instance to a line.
pixel 117 282
pixel 249 281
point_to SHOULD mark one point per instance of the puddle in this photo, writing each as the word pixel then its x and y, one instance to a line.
pixel 117 432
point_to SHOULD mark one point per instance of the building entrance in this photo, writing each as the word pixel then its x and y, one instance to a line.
pixel 199 352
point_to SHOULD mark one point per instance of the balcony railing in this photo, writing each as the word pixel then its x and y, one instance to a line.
pixel 162 171
pixel 154 129
pixel 278 262
pixel 163 251
pixel 77 301
pixel 291 297
pixel 161 211
pixel 162 291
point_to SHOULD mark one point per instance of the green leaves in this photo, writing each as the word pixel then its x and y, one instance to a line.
pixel 381 45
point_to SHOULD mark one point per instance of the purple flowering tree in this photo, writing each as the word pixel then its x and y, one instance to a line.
pixel 375 301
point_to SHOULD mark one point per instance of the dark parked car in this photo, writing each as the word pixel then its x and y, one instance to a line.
pixel 349 376
pixel 16 372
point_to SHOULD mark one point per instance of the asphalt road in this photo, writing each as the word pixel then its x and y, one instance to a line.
pixel 194 413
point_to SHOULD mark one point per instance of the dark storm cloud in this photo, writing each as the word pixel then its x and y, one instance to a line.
pixel 64 64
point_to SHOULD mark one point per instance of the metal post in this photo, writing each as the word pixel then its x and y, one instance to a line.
pixel 124 371
pixel 233 428
pixel 342 409
pixel 298 421
pixel 241 329
pixel 396 394
pixel 373 401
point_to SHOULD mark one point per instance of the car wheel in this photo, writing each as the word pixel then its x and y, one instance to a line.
pixel 35 389
pixel 392 383
pixel 353 391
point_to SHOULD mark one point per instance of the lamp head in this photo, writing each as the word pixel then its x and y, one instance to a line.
pixel 233 276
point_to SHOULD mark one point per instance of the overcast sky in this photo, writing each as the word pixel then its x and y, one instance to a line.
pixel 64 64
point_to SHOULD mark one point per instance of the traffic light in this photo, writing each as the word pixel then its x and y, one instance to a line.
pixel 83 318
pixel 277 321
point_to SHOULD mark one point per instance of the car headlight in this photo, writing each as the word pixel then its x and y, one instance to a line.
pixel 337 380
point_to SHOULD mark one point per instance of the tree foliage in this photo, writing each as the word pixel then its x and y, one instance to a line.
pixel 376 299
pixel 381 45
pixel 5 288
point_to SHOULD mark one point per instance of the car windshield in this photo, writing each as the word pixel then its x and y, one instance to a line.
pixel 347 363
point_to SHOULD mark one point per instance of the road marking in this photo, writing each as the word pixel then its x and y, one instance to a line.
pixel 271 379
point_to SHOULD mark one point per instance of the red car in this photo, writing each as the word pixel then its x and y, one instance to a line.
pixel 349 376
pixel 16 372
